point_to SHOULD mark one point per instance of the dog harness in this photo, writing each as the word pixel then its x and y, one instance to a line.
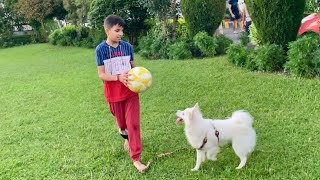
pixel 205 140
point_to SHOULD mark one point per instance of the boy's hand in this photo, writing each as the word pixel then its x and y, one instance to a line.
pixel 124 78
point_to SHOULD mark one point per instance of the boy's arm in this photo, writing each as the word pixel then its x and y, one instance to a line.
pixel 132 64
pixel 106 77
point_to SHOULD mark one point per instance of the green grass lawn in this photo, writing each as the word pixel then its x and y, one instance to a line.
pixel 55 124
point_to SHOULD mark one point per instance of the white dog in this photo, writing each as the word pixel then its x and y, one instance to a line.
pixel 206 135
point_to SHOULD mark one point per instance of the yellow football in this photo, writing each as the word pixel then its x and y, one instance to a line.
pixel 140 79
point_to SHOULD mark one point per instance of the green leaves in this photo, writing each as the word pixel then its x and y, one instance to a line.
pixel 276 21
pixel 131 11
pixel 302 57
pixel 203 15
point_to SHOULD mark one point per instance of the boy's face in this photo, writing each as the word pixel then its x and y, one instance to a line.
pixel 114 33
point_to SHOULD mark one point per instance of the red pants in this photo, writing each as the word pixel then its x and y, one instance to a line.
pixel 127 114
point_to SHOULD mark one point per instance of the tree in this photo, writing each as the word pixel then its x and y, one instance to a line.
pixel 160 9
pixel 8 21
pixel 6 25
pixel 71 7
pixel 77 10
pixel 40 11
pixel 203 15
pixel 276 21
pixel 130 10
pixel 83 9
pixel 312 6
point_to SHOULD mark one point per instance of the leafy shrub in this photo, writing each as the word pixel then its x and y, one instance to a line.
pixel 301 56
pixel 179 50
pixel 223 42
pixel 55 36
pixel 244 39
pixel 238 54
pixel 97 36
pixel 268 57
pixel 250 63
pixel 254 38
pixel 6 42
pixel 70 31
pixel 276 21
pixel 202 15
pixel 182 31
pixel 152 47
pixel 22 39
pixel 205 43
pixel 316 61
pixel 83 32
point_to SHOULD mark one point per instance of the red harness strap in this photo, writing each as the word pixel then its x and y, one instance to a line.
pixel 216 133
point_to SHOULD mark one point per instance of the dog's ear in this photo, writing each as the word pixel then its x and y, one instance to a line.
pixel 196 105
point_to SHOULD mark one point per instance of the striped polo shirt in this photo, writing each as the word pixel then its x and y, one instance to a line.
pixel 116 60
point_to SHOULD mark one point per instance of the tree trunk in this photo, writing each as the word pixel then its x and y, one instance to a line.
pixel 43 33
pixel 175 18
pixel 164 27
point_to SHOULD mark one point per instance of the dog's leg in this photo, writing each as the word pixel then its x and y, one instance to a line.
pixel 242 163
pixel 240 147
pixel 200 158
pixel 212 154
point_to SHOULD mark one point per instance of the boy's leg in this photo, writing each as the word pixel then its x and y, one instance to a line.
pixel 132 117
pixel 133 124
pixel 118 111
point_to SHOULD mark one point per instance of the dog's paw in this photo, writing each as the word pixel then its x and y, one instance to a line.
pixel 239 167
pixel 195 169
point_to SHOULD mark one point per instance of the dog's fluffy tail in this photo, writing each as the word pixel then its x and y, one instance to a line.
pixel 242 117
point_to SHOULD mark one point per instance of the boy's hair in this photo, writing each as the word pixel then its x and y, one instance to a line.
pixel 112 20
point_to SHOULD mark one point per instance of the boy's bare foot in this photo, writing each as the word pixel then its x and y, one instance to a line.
pixel 140 167
pixel 126 145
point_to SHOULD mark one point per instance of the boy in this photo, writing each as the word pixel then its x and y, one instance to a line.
pixel 114 59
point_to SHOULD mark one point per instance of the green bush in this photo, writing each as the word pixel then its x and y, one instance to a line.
pixel 55 36
pixel 244 39
pixel 203 15
pixel 316 61
pixel 83 32
pixel 238 54
pixel 179 50
pixel 223 42
pixel 97 36
pixel 65 41
pixel 6 42
pixel 205 43
pixel 145 43
pixel 22 39
pixel 301 56
pixel 182 31
pixel 70 31
pixel 254 38
pixel 277 21
pixel 80 36
pixel 152 47
pixel 268 57
pixel 250 63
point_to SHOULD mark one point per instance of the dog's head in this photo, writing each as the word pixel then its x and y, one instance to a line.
pixel 189 115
